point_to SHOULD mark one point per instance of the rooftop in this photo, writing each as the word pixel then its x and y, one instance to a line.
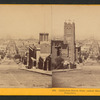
pixel 44 33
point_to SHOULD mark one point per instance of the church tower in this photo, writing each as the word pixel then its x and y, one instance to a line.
pixel 43 38
pixel 69 38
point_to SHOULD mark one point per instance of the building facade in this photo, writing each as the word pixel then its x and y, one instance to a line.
pixel 55 49
pixel 39 54
pixel 58 48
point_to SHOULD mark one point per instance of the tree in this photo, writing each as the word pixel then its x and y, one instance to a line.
pixel 85 55
pixel 98 58
pixel 2 54
pixel 80 59
pixel 9 56
pixel 17 56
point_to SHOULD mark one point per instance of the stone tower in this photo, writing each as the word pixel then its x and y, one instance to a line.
pixel 43 37
pixel 69 38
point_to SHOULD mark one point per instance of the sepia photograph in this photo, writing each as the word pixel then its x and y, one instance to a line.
pixel 49 46
pixel 75 46
pixel 25 58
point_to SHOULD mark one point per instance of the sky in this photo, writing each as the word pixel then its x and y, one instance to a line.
pixel 24 21
pixel 86 18
pixel 27 21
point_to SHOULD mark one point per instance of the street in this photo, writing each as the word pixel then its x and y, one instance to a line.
pixel 88 76
pixel 11 76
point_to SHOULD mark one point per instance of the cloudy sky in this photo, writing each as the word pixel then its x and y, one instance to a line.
pixel 25 21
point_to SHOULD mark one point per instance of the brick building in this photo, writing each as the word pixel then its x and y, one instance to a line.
pixel 58 48
pixel 66 48
pixel 39 53
pixel 55 49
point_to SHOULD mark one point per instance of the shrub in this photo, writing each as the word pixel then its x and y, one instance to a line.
pixel 53 66
pixel 98 58
pixel 17 57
